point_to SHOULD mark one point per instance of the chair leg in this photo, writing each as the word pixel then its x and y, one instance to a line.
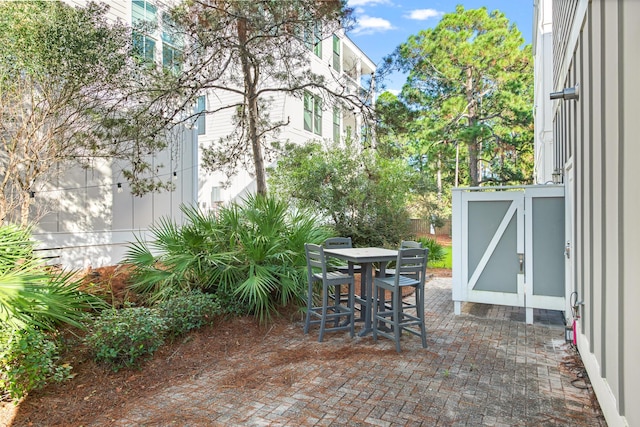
pixel 420 312
pixel 374 321
pixel 397 320
pixel 352 310
pixel 325 304
pixel 397 307
pixel 307 322
pixel 337 295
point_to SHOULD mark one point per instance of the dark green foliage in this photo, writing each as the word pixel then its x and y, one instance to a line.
pixel 358 192
pixel 178 259
pixel 190 311
pixel 28 361
pixel 469 101
pixel 230 303
pixel 121 338
pixel 252 253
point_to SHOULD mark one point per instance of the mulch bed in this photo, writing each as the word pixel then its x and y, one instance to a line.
pixel 96 389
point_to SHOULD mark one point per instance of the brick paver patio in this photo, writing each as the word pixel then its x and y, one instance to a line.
pixel 485 367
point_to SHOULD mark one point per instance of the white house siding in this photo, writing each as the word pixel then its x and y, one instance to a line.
pixel 118 9
pixel 86 221
pixel 89 223
pixel 595 140
pixel 543 70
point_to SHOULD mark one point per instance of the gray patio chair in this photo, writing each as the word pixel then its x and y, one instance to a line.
pixel 340 243
pixel 410 271
pixel 330 282
pixel 389 272
pixel 403 245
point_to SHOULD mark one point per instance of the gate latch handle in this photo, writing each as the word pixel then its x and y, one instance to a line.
pixel 521 262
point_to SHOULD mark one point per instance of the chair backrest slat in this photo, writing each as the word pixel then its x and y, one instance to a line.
pixel 338 242
pixel 406 244
pixel 315 259
pixel 412 262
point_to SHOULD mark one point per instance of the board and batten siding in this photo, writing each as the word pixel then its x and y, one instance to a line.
pixel 596 47
pixel 563 15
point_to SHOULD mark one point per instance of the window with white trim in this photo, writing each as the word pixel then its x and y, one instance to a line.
pixel 201 122
pixel 171 51
pixel 144 44
pixel 146 35
pixel 312 36
pixel 337 114
pixel 336 53
pixel 312 113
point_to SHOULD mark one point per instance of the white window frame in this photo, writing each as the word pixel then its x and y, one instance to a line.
pixel 312 114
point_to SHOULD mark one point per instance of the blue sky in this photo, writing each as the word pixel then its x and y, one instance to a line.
pixel 382 25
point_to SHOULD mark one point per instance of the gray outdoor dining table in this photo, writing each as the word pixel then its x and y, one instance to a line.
pixel 365 257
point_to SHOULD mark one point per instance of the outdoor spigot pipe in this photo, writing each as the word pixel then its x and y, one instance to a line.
pixel 567 93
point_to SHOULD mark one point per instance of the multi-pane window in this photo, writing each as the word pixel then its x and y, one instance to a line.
pixel 312 113
pixel 336 124
pixel 143 12
pixel 313 37
pixel 201 106
pixel 171 53
pixel 336 53
pixel 146 36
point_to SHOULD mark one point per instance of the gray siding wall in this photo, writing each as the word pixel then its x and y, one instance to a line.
pixel 596 46
pixel 563 16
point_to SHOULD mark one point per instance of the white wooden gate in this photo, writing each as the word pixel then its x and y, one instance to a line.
pixel 508 247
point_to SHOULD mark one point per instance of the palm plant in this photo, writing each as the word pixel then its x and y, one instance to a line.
pixel 273 260
pixel 32 293
pixel 177 259
pixel 436 250
pixel 253 251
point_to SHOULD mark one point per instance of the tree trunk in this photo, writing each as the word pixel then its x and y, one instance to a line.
pixel 251 75
pixel 472 144
pixel 24 210
pixel 439 176
pixel 3 209
pixel 457 163
pixel 472 149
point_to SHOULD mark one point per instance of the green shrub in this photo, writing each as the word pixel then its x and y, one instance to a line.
pixel 359 192
pixel 120 338
pixel 28 361
pixel 230 303
pixel 189 311
pixel 251 254
pixel 436 250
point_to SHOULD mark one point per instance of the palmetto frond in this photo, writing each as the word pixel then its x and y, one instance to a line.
pixel 31 292
pixel 253 249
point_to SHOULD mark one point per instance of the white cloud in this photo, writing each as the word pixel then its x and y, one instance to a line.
pixel 370 25
pixel 423 14
pixel 354 3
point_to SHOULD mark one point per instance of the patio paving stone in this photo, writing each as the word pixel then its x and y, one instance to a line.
pixel 485 367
